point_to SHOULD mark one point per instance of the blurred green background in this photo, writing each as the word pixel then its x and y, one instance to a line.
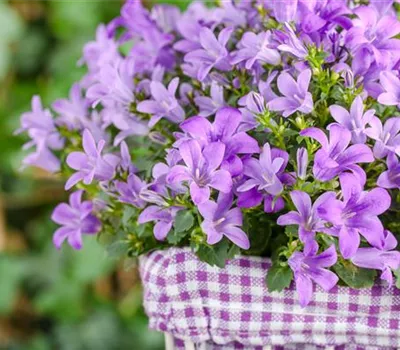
pixel 54 299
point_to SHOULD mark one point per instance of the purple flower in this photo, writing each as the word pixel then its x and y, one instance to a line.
pixel 213 52
pixel 291 43
pixel 220 220
pixel 230 14
pixel 355 121
pixel 103 51
pixel 308 267
pixel 335 156
pixel 391 84
pixel 155 49
pixel 255 106
pixel 224 129
pixel 284 10
pixel 356 214
pixel 42 158
pixel 161 170
pixel 190 25
pixel 264 180
pixel 128 123
pixel 164 103
pixel 302 163
pixel 390 178
pixel 256 47
pixel 129 191
pixel 90 164
pixel 295 94
pixel 72 111
pixel 376 34
pixel 262 173
pixel 40 126
pixel 76 219
pixel 126 160
pixel 385 259
pixel 210 105
pixel 387 138
pixel 166 17
pixel 200 170
pixel 115 84
pixel 163 217
pixel 136 18
pixel 306 216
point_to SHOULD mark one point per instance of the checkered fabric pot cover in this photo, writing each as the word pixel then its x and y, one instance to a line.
pixel 231 308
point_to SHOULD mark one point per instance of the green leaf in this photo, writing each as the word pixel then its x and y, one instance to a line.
pixel 128 213
pixel 279 278
pixel 11 275
pixel 90 263
pixel 175 237
pixel 218 254
pixel 397 274
pixel 183 221
pixel 354 276
pixel 292 230
pixel 118 249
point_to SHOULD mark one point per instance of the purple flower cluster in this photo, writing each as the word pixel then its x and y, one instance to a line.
pixel 286 111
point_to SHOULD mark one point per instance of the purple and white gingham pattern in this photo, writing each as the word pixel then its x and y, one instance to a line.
pixel 232 309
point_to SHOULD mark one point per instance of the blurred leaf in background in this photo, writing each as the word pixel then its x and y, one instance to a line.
pixel 53 299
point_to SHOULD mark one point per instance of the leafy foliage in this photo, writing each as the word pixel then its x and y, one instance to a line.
pixel 279 278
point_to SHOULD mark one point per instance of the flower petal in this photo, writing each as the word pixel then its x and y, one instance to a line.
pixel 221 180
pixel 161 230
pixel 237 236
pixel 199 194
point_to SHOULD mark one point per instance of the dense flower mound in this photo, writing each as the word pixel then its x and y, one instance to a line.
pixel 258 127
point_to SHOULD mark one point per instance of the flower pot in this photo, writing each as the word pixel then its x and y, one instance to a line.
pixel 231 308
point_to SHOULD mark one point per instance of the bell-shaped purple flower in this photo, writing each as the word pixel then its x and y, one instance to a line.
pixel 210 105
pixel 256 48
pixel 225 130
pixel 91 164
pixel 73 111
pixel 391 84
pixel 284 10
pixel 306 216
pixel 390 178
pixel 335 156
pixel 40 126
pixel 386 259
pixel 356 214
pixel 295 94
pixel 220 220
pixel 264 180
pixel 291 43
pixel 162 216
pixel 200 170
pixel 102 51
pixel 309 267
pixel 374 32
pixel 213 52
pixel 262 173
pixel 387 137
pixel 76 219
pixel 355 121
pixel 129 192
pixel 128 123
pixel 115 84
pixel 164 103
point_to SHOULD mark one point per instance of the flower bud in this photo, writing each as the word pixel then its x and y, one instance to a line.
pixel 153 197
pixel 348 79
pixel 302 163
